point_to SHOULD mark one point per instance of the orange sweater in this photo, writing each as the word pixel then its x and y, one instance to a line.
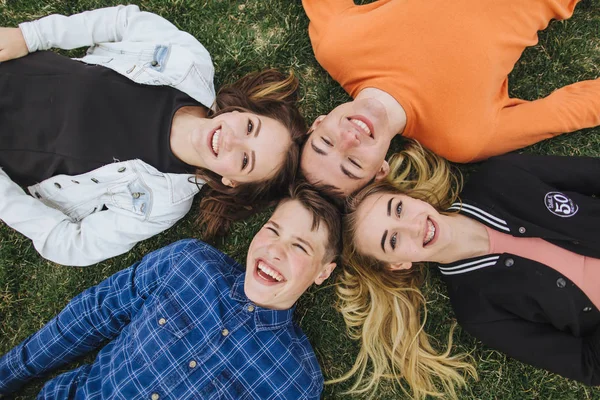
pixel 447 64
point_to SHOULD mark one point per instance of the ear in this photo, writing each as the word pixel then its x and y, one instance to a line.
pixel 383 171
pixel 315 124
pixel 228 182
pixel 402 265
pixel 325 272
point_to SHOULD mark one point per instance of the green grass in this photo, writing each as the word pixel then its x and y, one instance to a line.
pixel 256 34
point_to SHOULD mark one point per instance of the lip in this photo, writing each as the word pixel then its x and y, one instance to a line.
pixel 260 279
pixel 366 121
pixel 210 138
pixel 435 235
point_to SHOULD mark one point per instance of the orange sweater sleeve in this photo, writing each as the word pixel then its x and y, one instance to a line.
pixel 319 12
pixel 522 123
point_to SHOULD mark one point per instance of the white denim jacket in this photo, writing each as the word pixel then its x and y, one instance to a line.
pixel 81 220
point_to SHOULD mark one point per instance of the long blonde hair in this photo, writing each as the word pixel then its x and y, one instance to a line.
pixel 384 308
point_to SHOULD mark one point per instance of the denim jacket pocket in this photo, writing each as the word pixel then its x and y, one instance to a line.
pixel 135 197
pixel 158 327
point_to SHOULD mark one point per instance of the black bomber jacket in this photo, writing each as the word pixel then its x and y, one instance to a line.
pixel 518 306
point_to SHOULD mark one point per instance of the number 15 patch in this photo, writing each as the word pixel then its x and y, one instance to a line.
pixel 559 204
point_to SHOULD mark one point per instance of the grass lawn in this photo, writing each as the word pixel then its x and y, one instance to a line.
pixel 248 35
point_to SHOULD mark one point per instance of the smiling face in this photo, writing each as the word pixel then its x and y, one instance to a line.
pixel 347 147
pixel 285 257
pixel 400 230
pixel 241 147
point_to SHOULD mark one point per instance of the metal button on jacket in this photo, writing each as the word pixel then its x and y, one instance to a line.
pixel 154 63
pixel 561 283
pixel 522 229
pixel 587 309
pixel 136 195
pixel 57 185
pixel 509 262
pixel 122 169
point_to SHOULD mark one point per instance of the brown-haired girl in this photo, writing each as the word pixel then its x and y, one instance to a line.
pixel 518 250
pixel 114 146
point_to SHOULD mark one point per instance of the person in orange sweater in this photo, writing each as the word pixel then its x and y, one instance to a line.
pixel 436 71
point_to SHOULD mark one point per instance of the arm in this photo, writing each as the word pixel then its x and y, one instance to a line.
pixel 543 346
pixel 522 123
pixel 568 173
pixel 94 316
pixel 112 24
pixel 79 30
pixel 95 238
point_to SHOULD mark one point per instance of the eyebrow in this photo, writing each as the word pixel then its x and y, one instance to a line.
pixel 253 156
pixel 316 149
pixel 253 162
pixel 389 212
pixel 348 173
pixel 298 238
pixel 305 243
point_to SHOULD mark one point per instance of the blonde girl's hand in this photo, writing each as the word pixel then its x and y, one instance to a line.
pixel 12 44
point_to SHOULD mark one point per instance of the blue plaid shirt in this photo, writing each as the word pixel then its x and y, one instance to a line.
pixel 180 327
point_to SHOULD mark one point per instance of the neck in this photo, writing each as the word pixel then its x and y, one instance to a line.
pixel 470 239
pixel 185 120
pixel 395 111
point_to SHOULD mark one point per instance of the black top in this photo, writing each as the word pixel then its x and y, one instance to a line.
pixel 519 306
pixel 60 116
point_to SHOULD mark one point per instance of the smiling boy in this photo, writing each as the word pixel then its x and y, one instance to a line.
pixel 187 322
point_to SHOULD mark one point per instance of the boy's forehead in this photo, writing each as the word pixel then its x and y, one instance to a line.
pixel 292 215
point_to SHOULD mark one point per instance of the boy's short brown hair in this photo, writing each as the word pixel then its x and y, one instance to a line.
pixel 322 211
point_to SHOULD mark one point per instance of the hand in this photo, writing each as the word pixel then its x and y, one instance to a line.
pixel 12 44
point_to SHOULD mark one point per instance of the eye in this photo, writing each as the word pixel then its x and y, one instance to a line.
pixel 245 161
pixel 273 230
pixel 301 247
pixel 250 126
pixel 399 209
pixel 327 141
pixel 393 240
pixel 354 162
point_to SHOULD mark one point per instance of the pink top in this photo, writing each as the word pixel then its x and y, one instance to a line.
pixel 582 271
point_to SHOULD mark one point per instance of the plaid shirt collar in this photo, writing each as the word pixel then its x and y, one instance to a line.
pixel 265 319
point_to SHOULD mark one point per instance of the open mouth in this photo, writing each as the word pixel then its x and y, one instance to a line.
pixel 214 141
pixel 268 273
pixel 363 124
pixel 430 233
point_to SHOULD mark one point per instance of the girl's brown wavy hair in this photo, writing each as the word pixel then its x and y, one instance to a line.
pixel 384 309
pixel 268 93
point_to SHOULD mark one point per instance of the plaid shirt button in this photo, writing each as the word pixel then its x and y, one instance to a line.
pixel 155 396
pixel 225 332
pixel 193 364
pixel 162 321
pixel 250 308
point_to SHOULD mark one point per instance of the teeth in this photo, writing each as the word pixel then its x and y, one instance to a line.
pixel 362 126
pixel 270 271
pixel 215 141
pixel 430 232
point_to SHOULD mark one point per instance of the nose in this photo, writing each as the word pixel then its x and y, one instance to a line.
pixel 412 227
pixel 348 139
pixel 275 251
pixel 231 141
